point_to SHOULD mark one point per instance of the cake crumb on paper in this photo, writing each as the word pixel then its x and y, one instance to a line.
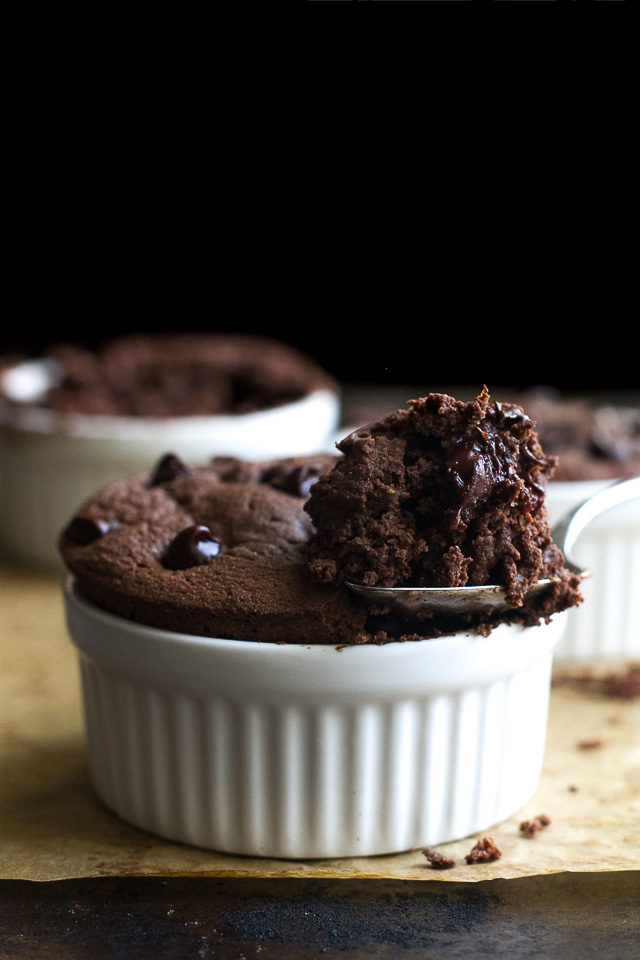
pixel 484 851
pixel 624 684
pixel 530 828
pixel 438 860
pixel 620 684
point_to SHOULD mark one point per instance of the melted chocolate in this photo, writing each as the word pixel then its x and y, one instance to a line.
pixel 487 457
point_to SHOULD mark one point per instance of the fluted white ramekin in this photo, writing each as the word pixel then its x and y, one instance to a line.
pixel 311 751
pixel 50 463
pixel 607 625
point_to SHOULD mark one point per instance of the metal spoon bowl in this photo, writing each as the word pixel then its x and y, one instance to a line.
pixel 491 597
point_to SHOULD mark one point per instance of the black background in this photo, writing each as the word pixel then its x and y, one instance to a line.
pixel 400 229
pixel 384 280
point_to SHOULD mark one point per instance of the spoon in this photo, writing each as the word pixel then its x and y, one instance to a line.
pixel 461 600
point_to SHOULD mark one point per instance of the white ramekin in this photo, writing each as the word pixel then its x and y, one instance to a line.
pixel 304 751
pixel 50 463
pixel 607 625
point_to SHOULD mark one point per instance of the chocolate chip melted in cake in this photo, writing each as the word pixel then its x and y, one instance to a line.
pixel 490 454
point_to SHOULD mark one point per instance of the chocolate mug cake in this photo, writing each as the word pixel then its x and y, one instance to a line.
pixel 239 696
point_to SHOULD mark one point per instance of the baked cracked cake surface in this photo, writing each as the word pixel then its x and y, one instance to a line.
pixel 212 550
pixel 443 493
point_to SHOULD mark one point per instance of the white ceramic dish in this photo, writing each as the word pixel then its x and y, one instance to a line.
pixel 607 625
pixel 50 463
pixel 298 751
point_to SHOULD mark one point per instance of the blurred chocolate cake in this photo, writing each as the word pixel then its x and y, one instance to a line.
pixel 178 375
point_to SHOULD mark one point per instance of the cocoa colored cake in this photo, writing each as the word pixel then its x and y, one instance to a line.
pixel 213 550
pixel 443 493
pixel 180 374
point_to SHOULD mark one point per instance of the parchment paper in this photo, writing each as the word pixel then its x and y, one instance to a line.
pixel 52 826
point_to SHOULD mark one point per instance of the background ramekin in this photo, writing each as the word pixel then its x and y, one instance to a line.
pixel 607 625
pixel 311 751
pixel 50 463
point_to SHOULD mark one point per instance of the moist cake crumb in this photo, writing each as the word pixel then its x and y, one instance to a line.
pixel 444 493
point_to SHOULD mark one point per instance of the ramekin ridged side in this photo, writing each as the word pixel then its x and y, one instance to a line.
pixel 51 463
pixel 606 626
pixel 297 751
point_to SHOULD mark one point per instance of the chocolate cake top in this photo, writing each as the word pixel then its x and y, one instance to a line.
pixel 212 550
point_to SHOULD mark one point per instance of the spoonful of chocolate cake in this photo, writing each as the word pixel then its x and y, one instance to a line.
pixel 439 508
pixel 465 599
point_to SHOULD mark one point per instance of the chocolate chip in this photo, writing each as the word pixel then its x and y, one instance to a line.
pixel 85 530
pixel 192 547
pixel 296 480
pixel 168 468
